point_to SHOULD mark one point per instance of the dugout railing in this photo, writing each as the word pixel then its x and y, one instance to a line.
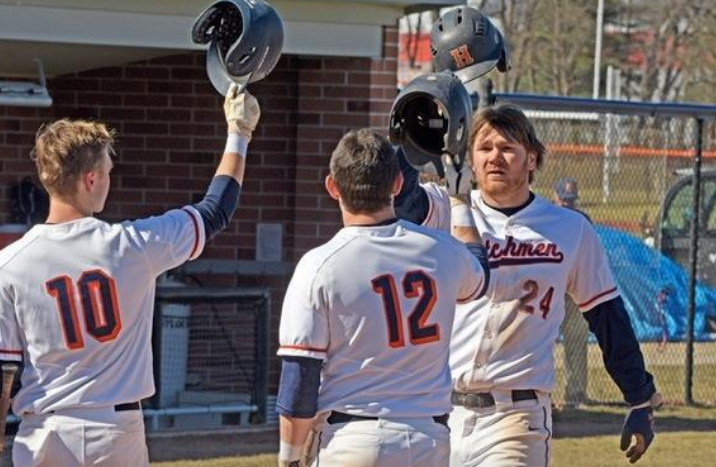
pixel 625 157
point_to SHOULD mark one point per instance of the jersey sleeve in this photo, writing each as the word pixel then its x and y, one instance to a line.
pixel 170 239
pixel 303 331
pixel 10 338
pixel 591 282
pixel 439 211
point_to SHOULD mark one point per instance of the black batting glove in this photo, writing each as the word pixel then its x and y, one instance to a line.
pixel 639 425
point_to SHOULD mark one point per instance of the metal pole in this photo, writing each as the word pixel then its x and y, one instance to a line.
pixel 574 104
pixel 598 48
pixel 691 309
pixel 263 340
pixel 483 97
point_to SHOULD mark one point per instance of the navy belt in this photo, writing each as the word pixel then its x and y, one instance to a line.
pixel 340 417
pixel 483 400
pixel 117 408
pixel 127 406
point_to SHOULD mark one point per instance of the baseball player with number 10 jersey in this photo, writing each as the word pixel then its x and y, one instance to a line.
pixel 373 310
pixel 77 296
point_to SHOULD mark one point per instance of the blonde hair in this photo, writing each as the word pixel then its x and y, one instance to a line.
pixel 66 149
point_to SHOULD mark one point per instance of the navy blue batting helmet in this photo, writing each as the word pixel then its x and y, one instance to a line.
pixel 245 40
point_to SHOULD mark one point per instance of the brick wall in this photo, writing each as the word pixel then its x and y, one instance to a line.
pixel 172 131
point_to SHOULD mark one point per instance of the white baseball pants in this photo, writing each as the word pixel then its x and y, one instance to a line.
pixel 509 434
pixel 410 442
pixel 97 437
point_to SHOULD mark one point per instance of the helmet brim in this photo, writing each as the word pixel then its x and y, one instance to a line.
pixel 475 71
pixel 220 79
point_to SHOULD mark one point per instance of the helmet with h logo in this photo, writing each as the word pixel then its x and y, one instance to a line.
pixel 466 42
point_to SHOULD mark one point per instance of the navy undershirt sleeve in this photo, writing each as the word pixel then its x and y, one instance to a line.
pixel 480 252
pixel 412 203
pixel 623 359
pixel 219 204
pixel 298 389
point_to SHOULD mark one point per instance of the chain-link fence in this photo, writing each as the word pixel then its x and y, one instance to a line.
pixel 211 356
pixel 631 173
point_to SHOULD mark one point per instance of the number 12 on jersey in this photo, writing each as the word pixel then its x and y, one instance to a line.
pixel 415 284
pixel 98 298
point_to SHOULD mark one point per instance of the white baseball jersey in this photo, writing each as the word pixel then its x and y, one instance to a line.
pixel 505 340
pixel 76 305
pixel 376 303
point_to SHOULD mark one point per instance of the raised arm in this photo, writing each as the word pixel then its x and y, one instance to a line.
pixel 462 220
pixel 242 113
pixel 412 203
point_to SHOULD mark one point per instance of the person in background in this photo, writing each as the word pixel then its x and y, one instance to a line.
pixel 575 328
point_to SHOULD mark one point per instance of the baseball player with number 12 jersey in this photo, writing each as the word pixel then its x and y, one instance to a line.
pixel 369 315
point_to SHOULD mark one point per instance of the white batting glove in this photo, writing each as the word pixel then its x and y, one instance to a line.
pixel 459 183
pixel 242 112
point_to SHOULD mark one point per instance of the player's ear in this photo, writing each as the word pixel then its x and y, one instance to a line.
pixel 332 188
pixel 397 184
pixel 88 180
pixel 531 161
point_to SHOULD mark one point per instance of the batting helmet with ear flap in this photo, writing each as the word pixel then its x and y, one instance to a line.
pixel 245 39
pixel 430 117
pixel 465 41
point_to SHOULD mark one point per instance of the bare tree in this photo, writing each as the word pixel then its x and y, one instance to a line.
pixel 664 48
pixel 547 43
pixel 670 48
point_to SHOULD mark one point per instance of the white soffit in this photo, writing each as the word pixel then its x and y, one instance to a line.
pixel 96 27
pixel 106 37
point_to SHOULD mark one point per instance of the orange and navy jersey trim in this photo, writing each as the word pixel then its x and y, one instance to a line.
pixel 596 297
pixel 303 347
pixel 196 232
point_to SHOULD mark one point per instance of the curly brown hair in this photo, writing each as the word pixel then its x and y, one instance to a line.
pixel 66 149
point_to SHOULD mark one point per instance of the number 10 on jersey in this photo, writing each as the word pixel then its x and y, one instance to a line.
pixel 415 284
pixel 98 298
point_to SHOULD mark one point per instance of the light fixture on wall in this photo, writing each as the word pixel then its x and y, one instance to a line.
pixel 26 94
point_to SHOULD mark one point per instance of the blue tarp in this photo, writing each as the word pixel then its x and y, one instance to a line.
pixel 655 289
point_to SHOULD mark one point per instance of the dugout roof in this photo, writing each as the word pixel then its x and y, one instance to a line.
pixel 77 35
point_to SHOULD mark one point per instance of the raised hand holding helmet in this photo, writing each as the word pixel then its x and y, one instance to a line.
pixel 242 112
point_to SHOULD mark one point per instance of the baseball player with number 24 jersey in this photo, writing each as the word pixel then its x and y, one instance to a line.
pixel 503 343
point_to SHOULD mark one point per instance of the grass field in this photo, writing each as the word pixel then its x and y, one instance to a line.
pixel 666 363
pixel 629 194
pixel 686 437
